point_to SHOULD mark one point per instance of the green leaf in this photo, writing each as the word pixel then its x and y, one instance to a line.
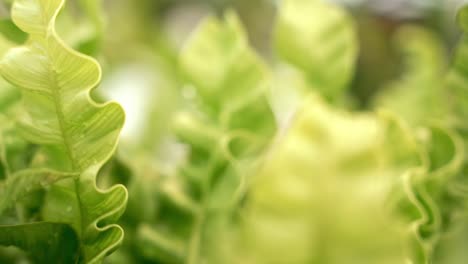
pixel 447 188
pixel 12 32
pixel 228 125
pixel 91 211
pixel 155 245
pixel 17 154
pixel 231 82
pixel 95 13
pixel 43 241
pixel 232 115
pixel 457 77
pixel 320 40
pixel 76 134
pixel 24 182
pixel 55 82
pixel 435 208
pixel 463 18
pixel 219 64
pixel 418 95
pixel 323 187
pixel 81 25
pixel 214 53
pixel 9 96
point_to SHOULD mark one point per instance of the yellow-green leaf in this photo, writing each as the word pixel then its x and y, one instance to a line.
pixel 76 134
pixel 320 40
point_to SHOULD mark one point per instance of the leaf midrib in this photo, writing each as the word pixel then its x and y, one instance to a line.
pixel 58 104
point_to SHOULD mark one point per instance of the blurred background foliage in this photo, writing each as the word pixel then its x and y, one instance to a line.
pixel 140 36
pixel 139 51
pixel 140 41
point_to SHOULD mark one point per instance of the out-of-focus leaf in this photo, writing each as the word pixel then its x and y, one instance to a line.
pixel 95 15
pixel 338 177
pixel 434 208
pixel 457 78
pixel 155 245
pixel 17 153
pixel 324 186
pixel 12 32
pixel 441 195
pixel 418 96
pixel 214 55
pixel 8 97
pixel 231 82
pixel 24 182
pixel 320 40
pixel 43 241
pixel 228 124
pixel 435 192
pixel 76 134
pixel 81 26
pixel 226 73
pixel 93 9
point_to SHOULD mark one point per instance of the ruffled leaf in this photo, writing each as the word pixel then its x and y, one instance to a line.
pixel 444 185
pixel 55 82
pixel 76 134
pixel 90 210
pixel 429 188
